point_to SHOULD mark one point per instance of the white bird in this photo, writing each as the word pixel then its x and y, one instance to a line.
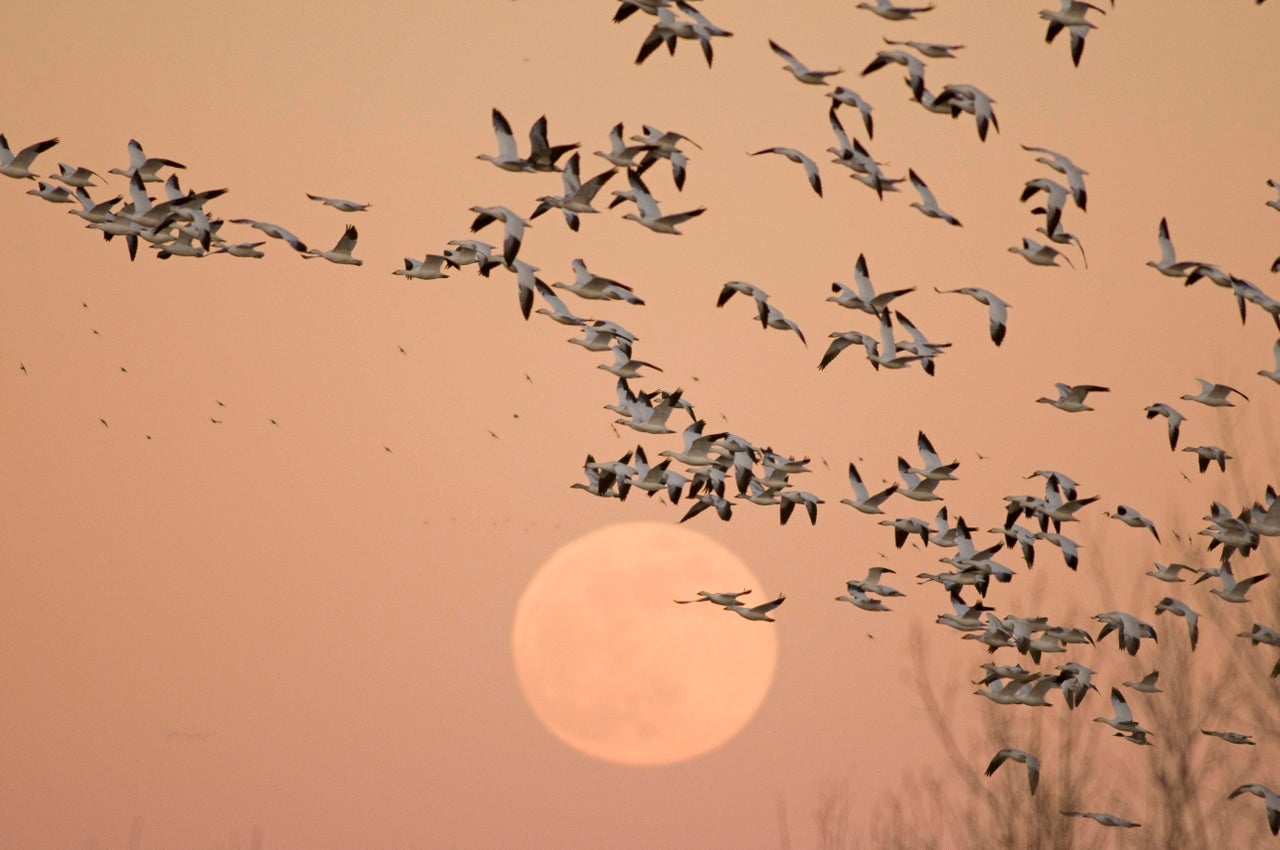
pixel 929 48
pixel 1147 684
pixel 1056 195
pixel 1182 609
pixel 593 287
pixel 861 600
pixel 650 215
pixel 810 167
pixel 722 599
pixel 241 249
pixel 1133 519
pixel 52 193
pixel 865 297
pixel 1123 720
pixel 339 204
pixel 1070 549
pixel 1071 16
pixel 577 196
pixel 1214 395
pixel 542 154
pixel 997 309
pixel 512 233
pixel 1129 631
pixel 1232 590
pixel 1170 573
pixel 871 584
pixel 558 312
pixel 915 68
pixel 772 317
pixel 1231 737
pixel 429 267
pixel 1168 263
pixel 1039 255
pixel 932 465
pixel 1011 754
pixel 920 345
pixel 467 251
pixel 508 158
pixel 801 71
pixel 917 487
pixel 865 502
pixel 623 365
pixel 1269 797
pixel 275 231
pixel 759 612
pixel 1104 818
pixel 928 204
pixel 966 98
pixel 849 97
pixel 620 153
pixel 1071 398
pixel 1063 165
pixel 93 211
pixel 76 178
pixel 146 167
pixel 1175 420
pixel 341 252
pixel 890 12
pixel 663 144
pixel 1273 374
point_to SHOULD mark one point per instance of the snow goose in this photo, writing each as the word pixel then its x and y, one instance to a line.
pixel 593 287
pixel 1170 573
pixel 871 584
pixel 997 309
pixel 275 231
pixel 1182 609
pixel 1063 165
pixel 542 154
pixel 1071 398
pixel 849 97
pixel 865 502
pixel 721 599
pixel 1168 263
pixel 799 70
pixel 810 167
pixel 467 251
pixel 52 193
pixel 1231 737
pixel 1129 634
pixel 1214 395
pixel 891 12
pixel 1071 15
pixel 1056 194
pixel 248 250
pixel 1273 374
pixel 966 98
pixel 558 313
pixel 620 153
pixel 759 612
pixel 1269 797
pixel 861 600
pixel 928 48
pixel 1123 720
pixel 904 527
pixel 508 159
pixel 865 298
pixel 928 204
pixel 18 165
pixel 920 345
pixel 698 447
pixel 915 68
pixel 918 487
pixel 341 252
pixel 1011 754
pixel 1039 255
pixel 1232 590
pixel 146 167
pixel 650 215
pixel 1145 685
pixel 772 317
pixel 91 210
pixel 577 195
pixel 429 267
pixel 339 204
pixel 1175 420
pixel 932 465
pixel 1104 818
pixel 1133 519
pixel 513 229
pixel 76 178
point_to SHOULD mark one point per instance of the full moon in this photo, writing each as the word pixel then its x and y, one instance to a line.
pixel 616 670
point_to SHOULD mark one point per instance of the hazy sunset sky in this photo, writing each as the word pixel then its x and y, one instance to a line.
pixel 306 627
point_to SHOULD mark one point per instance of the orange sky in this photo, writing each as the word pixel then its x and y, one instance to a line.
pixel 336 618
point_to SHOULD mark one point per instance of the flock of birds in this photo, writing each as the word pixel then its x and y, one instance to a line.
pixel 719 470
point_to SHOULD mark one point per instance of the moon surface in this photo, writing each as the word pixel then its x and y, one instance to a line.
pixel 617 671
